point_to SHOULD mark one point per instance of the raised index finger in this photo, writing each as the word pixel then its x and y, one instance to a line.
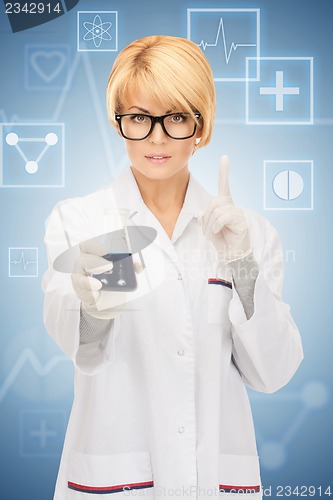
pixel 223 183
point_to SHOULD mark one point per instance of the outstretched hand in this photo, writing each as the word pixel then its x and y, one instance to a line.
pixel 88 287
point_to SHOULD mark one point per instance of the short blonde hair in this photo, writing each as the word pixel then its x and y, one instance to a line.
pixel 172 71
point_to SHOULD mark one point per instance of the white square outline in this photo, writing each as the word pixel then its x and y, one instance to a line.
pixel 23 275
pixel 49 46
pixel 96 12
pixel 287 161
pixel 280 58
pixel 62 126
pixel 257 11
pixel 62 413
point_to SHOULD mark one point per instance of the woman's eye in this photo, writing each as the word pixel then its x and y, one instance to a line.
pixel 177 118
pixel 139 118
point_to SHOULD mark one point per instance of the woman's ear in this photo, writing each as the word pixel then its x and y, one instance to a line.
pixel 198 133
pixel 197 140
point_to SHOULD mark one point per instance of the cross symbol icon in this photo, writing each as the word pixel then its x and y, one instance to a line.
pixel 43 433
pixel 279 90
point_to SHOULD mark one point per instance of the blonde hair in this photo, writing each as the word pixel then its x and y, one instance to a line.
pixel 172 71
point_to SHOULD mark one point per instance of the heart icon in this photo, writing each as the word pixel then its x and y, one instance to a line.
pixel 48 65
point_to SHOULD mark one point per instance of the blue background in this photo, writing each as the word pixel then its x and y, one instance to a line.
pixel 294 426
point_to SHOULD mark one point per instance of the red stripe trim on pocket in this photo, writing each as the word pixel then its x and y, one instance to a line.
pixel 215 281
pixel 109 489
pixel 224 488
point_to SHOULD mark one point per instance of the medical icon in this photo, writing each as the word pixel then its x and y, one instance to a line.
pixel 47 380
pixel 31 166
pixel 279 91
pixel 46 67
pixel 288 185
pixel 41 432
pixel 227 37
pixel 22 262
pixel 32 155
pixel 284 93
pixel 97 31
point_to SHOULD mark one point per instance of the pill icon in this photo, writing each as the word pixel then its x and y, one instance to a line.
pixel 288 185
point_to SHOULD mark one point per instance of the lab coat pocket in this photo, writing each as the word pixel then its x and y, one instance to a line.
pixel 106 474
pixel 219 294
pixel 239 474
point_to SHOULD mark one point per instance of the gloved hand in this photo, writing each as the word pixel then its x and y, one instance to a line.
pixel 224 224
pixel 88 288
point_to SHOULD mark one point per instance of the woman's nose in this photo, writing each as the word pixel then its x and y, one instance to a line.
pixel 158 136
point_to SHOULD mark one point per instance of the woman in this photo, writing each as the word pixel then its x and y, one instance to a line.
pixel 160 407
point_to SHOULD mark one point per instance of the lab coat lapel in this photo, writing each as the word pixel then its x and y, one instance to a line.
pixel 128 195
pixel 196 201
pixel 144 217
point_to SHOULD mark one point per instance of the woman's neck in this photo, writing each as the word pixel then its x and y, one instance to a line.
pixel 163 195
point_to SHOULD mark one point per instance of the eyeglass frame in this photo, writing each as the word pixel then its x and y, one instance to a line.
pixel 154 120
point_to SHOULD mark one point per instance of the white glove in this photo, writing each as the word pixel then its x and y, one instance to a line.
pixel 224 224
pixel 88 288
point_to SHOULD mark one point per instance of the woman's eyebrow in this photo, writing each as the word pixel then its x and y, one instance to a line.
pixel 140 109
pixel 146 110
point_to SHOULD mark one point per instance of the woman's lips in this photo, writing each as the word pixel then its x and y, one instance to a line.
pixel 157 158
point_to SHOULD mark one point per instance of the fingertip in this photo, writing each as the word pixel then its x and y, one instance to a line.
pixel 138 267
pixel 89 283
pixel 200 215
pixel 224 159
pixel 216 228
pixel 104 268
pixel 95 283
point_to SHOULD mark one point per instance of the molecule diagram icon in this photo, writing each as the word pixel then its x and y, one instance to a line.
pixel 32 155
pixel 31 166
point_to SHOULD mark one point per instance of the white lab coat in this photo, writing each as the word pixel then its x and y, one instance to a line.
pixel 160 407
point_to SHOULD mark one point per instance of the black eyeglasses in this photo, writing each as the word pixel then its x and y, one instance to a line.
pixel 137 127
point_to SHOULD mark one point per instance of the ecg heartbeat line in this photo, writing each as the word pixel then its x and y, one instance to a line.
pixel 233 47
pixel 25 263
pixel 28 356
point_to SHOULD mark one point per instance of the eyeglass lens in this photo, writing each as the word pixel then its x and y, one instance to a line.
pixel 177 126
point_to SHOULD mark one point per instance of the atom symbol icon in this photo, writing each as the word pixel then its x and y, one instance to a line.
pixel 97 31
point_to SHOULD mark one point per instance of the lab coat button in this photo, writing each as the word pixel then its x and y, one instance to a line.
pixel 181 430
pixel 181 352
pixel 180 277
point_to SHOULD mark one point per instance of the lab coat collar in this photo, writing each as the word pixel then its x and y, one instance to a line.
pixel 128 194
